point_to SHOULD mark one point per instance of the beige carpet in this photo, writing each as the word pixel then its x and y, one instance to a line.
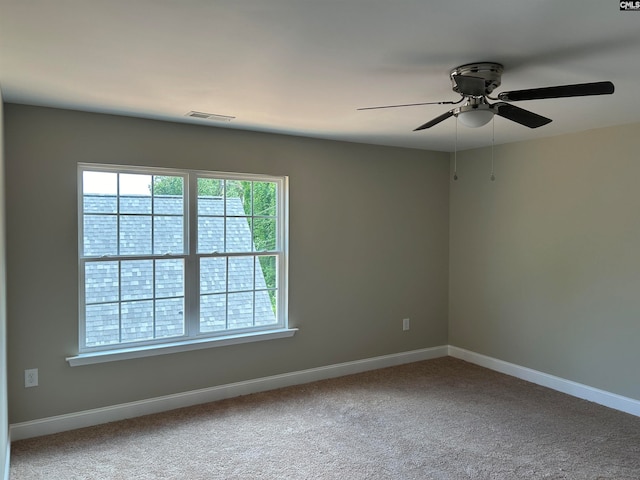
pixel 437 419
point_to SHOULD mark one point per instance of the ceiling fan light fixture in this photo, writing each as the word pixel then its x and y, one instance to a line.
pixel 476 81
pixel 475 116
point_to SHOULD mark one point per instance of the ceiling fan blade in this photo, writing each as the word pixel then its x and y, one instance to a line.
pixel 467 85
pixel 412 105
pixel 577 90
pixel 520 115
pixel 435 121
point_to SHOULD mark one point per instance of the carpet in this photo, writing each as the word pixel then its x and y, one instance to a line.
pixel 437 419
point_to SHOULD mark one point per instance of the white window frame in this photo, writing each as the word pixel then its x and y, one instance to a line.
pixel 192 338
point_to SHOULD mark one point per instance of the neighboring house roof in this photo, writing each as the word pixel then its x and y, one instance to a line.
pixel 132 281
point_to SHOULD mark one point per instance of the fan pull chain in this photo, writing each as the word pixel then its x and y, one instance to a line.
pixel 455 153
pixel 493 141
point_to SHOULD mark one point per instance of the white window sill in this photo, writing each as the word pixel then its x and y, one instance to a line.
pixel 175 347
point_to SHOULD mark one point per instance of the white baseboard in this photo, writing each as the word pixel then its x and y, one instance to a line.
pixel 87 418
pixel 602 397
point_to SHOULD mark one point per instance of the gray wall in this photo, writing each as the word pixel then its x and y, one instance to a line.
pixel 544 263
pixel 368 246
pixel 4 417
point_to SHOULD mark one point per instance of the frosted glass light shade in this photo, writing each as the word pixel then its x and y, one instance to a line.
pixel 476 117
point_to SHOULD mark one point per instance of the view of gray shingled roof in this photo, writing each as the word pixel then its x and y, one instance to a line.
pixel 132 281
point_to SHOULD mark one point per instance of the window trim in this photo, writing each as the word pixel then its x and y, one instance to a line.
pixel 190 340
pixel 116 354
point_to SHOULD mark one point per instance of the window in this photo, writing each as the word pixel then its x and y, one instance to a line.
pixel 168 256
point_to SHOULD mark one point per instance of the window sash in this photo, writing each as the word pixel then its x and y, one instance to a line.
pixel 193 327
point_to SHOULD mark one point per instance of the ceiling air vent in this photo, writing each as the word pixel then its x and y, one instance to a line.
pixel 210 116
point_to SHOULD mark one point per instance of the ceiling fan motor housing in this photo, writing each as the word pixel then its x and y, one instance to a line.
pixel 489 72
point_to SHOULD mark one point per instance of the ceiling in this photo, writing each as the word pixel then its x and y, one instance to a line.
pixel 303 67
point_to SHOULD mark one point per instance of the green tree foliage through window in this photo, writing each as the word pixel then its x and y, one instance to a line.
pixel 259 201
pixel 167 185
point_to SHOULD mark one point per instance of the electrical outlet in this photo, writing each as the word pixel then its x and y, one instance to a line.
pixel 405 324
pixel 31 378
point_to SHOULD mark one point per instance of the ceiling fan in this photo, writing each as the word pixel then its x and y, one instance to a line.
pixel 475 82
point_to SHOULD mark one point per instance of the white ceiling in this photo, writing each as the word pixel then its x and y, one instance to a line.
pixel 303 66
